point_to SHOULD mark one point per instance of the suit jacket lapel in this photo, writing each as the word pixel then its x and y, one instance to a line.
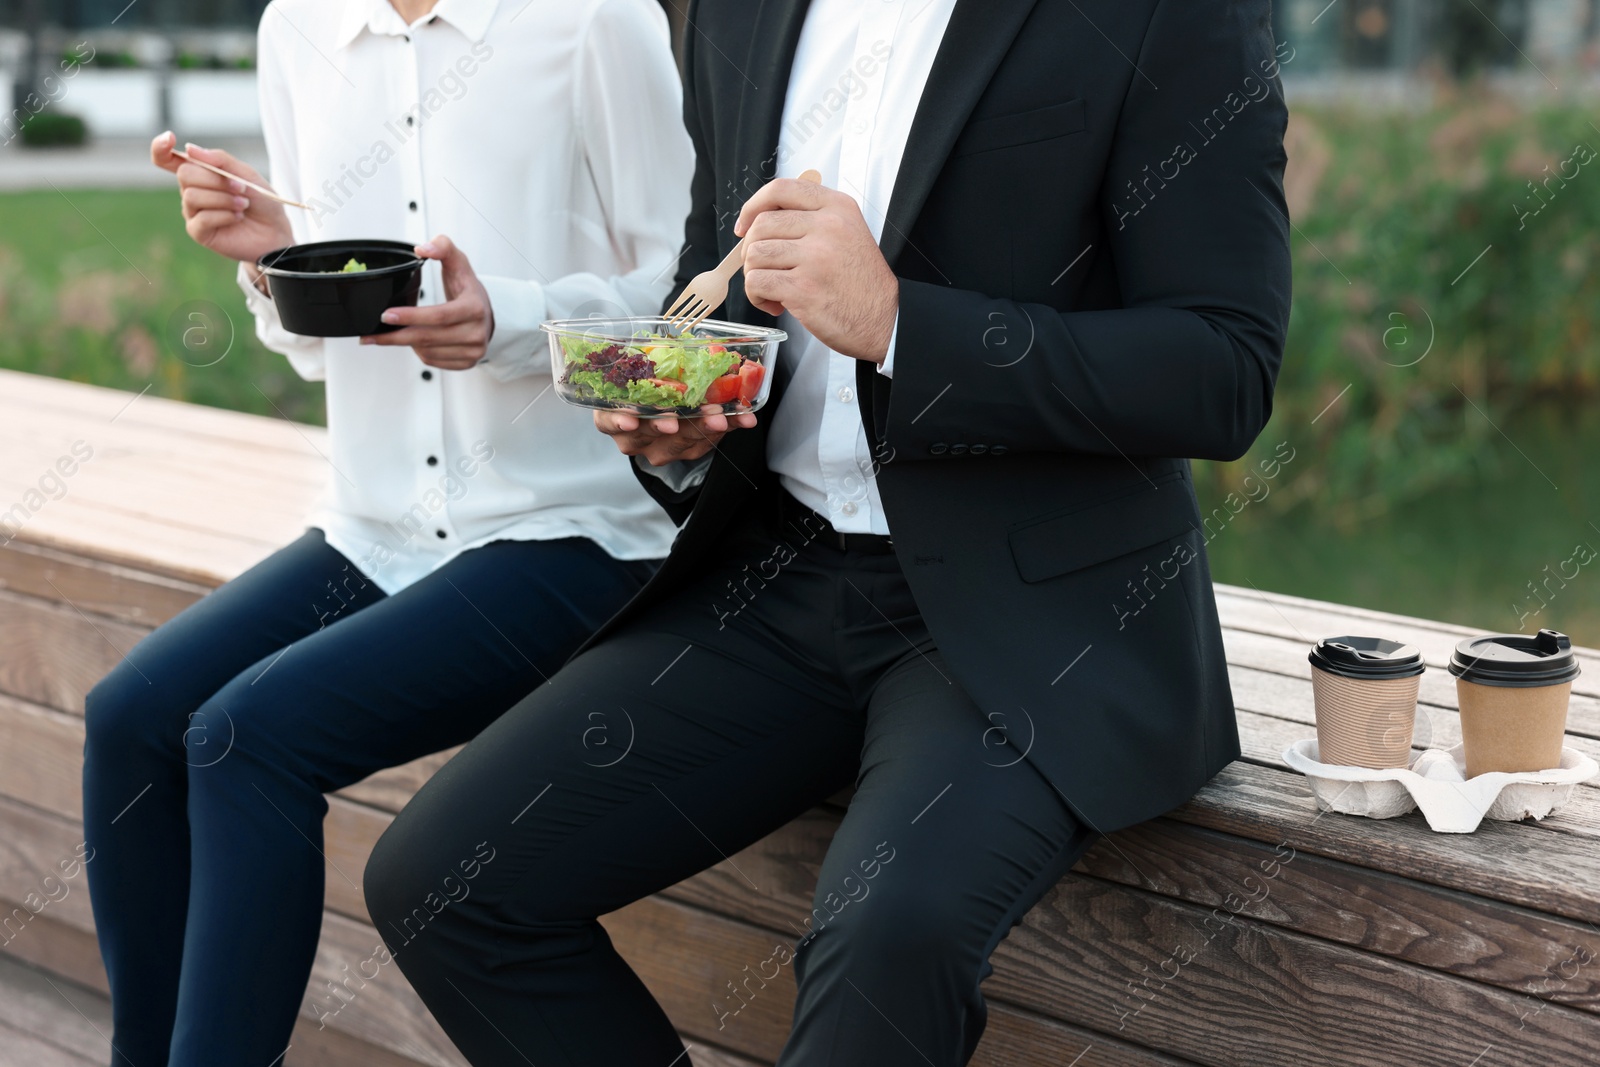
pixel 977 39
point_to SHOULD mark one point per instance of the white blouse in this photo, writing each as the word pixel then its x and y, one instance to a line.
pixel 546 140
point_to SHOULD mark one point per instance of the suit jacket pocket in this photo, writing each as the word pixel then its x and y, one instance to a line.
pixel 1019 128
pixel 1059 544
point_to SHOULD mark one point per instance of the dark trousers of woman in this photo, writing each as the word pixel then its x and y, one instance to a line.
pixel 714 719
pixel 211 745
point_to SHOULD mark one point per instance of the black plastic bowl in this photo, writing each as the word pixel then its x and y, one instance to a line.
pixel 316 299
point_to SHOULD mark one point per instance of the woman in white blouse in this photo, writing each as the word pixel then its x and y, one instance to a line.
pixel 475 530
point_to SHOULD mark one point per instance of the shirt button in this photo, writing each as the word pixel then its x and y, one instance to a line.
pixel 440 534
pixel 858 126
pixel 847 394
pixel 433 461
pixel 849 508
pixel 427 375
pixel 411 120
pixel 412 205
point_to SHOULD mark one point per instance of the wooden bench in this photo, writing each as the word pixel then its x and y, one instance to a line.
pixel 1242 929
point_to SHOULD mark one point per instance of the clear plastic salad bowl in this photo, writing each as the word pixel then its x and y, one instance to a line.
pixel 644 367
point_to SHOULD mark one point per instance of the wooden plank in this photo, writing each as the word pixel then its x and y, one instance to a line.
pixel 63 1017
pixel 1279 655
pixel 45 747
pixel 391 789
pixel 97 588
pixel 62 949
pixel 1263 739
pixel 1550 872
pixel 19 1048
pixel 41 757
pixel 1248 994
pixel 44 434
pixel 95 406
pixel 310 1046
pixel 1309 620
pixel 1513 948
pixel 1446 930
pixel 60 938
pixel 707 1056
pixel 41 766
pixel 1288 698
pixel 145 544
pixel 383 1011
pixel 686 956
pixel 348 833
pixel 211 491
pixel 54 653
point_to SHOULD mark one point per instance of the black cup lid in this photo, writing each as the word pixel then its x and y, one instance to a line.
pixel 1516 660
pixel 1367 657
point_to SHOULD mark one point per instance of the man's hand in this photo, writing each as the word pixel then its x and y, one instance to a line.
pixel 808 251
pixel 661 441
pixel 218 212
pixel 453 335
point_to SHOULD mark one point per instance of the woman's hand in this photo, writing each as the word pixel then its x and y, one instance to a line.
pixel 662 441
pixel 453 335
pixel 220 213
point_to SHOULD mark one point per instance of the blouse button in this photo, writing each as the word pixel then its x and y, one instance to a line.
pixel 433 461
pixel 427 375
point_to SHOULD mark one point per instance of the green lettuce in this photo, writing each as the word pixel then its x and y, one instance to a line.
pixel 695 365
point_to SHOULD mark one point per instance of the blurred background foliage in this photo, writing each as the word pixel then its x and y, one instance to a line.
pixel 1444 283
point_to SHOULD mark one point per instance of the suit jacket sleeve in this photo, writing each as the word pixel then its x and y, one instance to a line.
pixel 700 233
pixel 1186 366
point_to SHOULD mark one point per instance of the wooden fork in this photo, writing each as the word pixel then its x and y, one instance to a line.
pixel 708 289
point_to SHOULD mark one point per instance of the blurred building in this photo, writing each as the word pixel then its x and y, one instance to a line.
pixel 1457 36
pixel 188 64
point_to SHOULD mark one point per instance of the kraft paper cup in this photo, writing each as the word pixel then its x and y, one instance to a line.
pixel 1365 691
pixel 1514 690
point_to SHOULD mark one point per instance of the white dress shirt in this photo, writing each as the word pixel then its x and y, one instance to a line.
pixel 858 75
pixel 546 140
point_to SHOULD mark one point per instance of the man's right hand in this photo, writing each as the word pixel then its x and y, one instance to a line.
pixel 221 214
pixel 662 441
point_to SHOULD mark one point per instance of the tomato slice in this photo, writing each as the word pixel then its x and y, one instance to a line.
pixel 669 383
pixel 724 389
pixel 750 375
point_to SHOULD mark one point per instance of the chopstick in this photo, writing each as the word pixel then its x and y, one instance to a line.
pixel 263 190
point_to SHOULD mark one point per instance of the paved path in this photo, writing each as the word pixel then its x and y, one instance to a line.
pixel 104 164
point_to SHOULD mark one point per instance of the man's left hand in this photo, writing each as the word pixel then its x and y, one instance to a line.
pixel 453 335
pixel 809 252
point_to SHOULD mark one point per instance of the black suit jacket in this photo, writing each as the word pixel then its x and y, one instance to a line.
pixel 1092 245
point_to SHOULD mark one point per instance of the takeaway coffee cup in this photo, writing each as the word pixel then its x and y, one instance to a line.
pixel 1365 690
pixel 1513 690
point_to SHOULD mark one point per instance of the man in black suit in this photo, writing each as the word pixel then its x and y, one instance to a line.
pixel 956 561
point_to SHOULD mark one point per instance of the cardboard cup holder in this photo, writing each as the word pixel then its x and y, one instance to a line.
pixel 1436 782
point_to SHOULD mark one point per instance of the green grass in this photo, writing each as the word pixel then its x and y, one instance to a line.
pixel 97 287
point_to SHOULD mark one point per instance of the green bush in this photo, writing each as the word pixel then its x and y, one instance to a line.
pixel 52 129
pixel 1419 229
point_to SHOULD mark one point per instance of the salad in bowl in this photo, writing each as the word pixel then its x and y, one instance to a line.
pixel 646 368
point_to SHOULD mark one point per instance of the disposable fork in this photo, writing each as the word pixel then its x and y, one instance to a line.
pixel 708 289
